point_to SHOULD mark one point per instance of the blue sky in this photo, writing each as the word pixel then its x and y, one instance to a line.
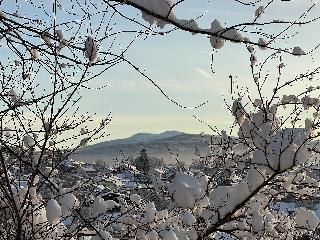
pixel 180 64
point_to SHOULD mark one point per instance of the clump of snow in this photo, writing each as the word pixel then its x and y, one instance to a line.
pixel 13 96
pixel 233 35
pixel 253 59
pixel 204 179
pixel 287 157
pixel 257 203
pixel 297 51
pixel 185 190
pixel 255 178
pixel 216 42
pixel 259 157
pixel 257 222
pixel 257 103
pixel 238 111
pixel 63 65
pixel 104 236
pixel 150 212
pixel 100 206
pixel 225 198
pixel 53 211
pixel 308 102
pixel 84 141
pixel 159 7
pixel 153 235
pixel 168 235
pixel 282 152
pixel 306 219
pixel 26 76
pixel 135 198
pixel 250 48
pixel 216 26
pixel 259 11
pixel 162 214
pixel 246 40
pixel 262 44
pixel 59 33
pixel 36 180
pixel 68 203
pixel 280 149
pixel 45 37
pixel 91 49
pixel 83 131
pixel 192 24
pixel 33 191
pixel 28 141
pixel 289 99
pixel 187 218
pixel 2 15
pixel 34 53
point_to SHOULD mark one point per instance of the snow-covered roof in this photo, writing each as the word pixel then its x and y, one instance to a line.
pixel 131 168
pixel 100 187
pixel 69 162
pixel 130 184
pixel 88 169
pixel 157 170
pixel 115 180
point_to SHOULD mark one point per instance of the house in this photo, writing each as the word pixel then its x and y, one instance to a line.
pixel 87 171
pixel 157 172
pixel 70 165
pixel 128 171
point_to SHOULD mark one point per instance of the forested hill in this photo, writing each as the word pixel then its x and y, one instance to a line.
pixel 181 144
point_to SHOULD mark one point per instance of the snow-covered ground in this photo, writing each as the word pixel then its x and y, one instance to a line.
pixel 292 207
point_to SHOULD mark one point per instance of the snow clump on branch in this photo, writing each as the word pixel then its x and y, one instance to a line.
pixel 91 49
pixel 279 149
pixel 159 7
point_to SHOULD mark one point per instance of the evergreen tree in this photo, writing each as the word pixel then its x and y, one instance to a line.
pixel 142 162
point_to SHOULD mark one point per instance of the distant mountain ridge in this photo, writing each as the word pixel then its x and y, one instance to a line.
pixel 153 136
pixel 136 138
pixel 180 143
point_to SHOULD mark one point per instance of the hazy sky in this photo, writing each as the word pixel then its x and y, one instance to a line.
pixel 180 64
